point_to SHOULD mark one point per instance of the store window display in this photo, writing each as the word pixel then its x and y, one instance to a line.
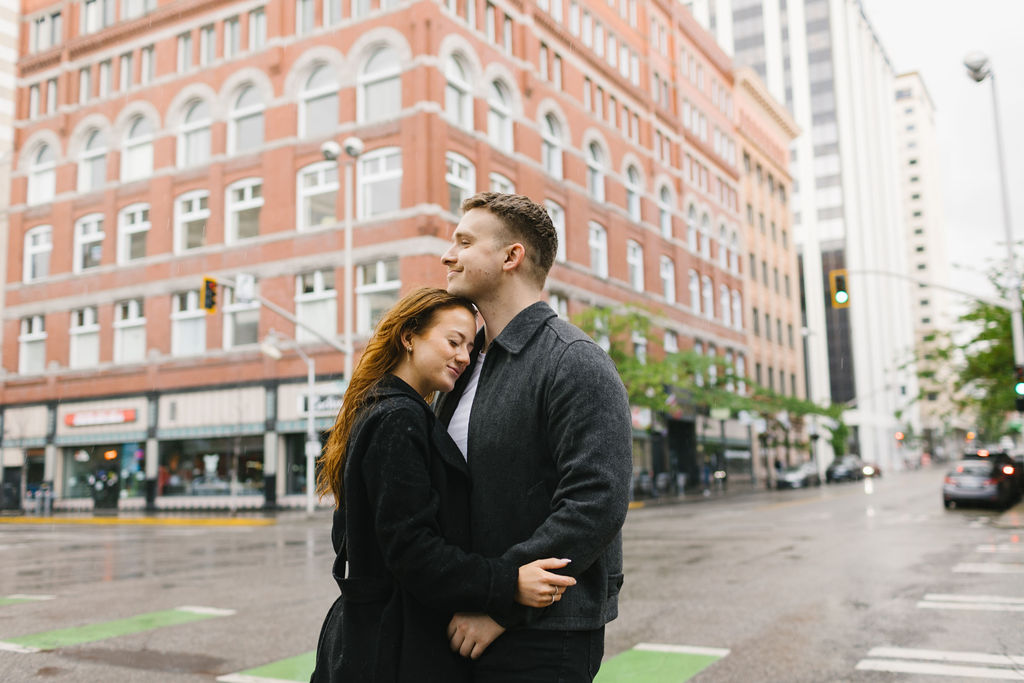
pixel 207 467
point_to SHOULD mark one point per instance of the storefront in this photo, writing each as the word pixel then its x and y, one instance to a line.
pixel 291 425
pixel 230 466
pixel 105 473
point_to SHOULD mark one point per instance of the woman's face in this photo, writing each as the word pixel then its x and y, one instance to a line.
pixel 440 354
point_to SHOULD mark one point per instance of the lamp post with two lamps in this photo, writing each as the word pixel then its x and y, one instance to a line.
pixel 979 68
pixel 331 150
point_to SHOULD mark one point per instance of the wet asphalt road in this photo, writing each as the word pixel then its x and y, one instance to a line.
pixel 797 585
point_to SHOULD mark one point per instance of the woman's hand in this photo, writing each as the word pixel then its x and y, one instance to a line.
pixel 471 634
pixel 538 587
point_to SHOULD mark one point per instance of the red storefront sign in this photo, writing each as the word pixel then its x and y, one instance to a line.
pixel 89 418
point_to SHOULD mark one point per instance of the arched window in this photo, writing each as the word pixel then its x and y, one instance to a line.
pixel 551 146
pixel 691 228
pixel 137 157
pixel 598 243
pixel 318 104
pixel 246 129
pixel 92 165
pixel 42 175
pixel 694 291
pixel 737 310
pixel 38 246
pixel 633 190
pixel 380 86
pixel 635 263
pixel 499 116
pixel 723 250
pixel 665 212
pixel 458 97
pixel 734 253
pixel 194 140
pixel 724 300
pixel 668 279
pixel 595 171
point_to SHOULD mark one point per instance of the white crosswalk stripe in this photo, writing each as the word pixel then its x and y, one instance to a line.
pixel 944 663
pixel 989 568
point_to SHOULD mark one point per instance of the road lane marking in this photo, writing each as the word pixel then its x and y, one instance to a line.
pixel 972 599
pixel 142 521
pixel 76 635
pixel 981 606
pixel 18 598
pixel 947 656
pixel 1000 548
pixel 989 568
pixel 932 669
pixel 298 668
pixel 657 663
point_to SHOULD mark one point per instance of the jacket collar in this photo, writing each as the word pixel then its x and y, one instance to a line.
pixel 521 328
pixel 389 385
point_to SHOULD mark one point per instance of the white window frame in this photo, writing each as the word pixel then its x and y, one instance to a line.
pixel 231 309
pixel 83 332
pixel 322 170
pixel 634 189
pixel 460 175
pixel 707 289
pixel 126 67
pixel 90 157
pixel 42 176
pixel 366 179
pixel 127 229
pixel 38 241
pixel 597 241
pixel 33 333
pixel 184 52
pixel 33 101
pixel 233 207
pixel 635 264
pixel 381 285
pixel 183 315
pixel 667 270
pixel 500 183
pixel 671 342
pixel 458 101
pixel 133 147
pixel 88 231
pixel 319 92
pixel 257 29
pixel 367 79
pixel 705 239
pixel 124 325
pixel 694 287
pixel 190 129
pixel 552 144
pixel 499 116
pixel 185 214
pixel 245 112
pixel 51 96
pixel 557 214
pixel 147 66
pixel 232 37
pixel 305 17
pixel 724 301
pixel 207 45
pixel 105 74
pixel 737 309
pixel 595 172
pixel 84 84
pixel 665 212
pixel 309 306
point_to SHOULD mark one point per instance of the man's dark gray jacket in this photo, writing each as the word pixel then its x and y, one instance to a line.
pixel 550 458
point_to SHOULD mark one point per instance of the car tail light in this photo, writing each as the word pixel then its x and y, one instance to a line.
pixel 991 482
pixel 1007 469
pixel 949 480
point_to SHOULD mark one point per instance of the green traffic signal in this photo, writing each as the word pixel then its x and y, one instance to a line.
pixel 1019 388
pixel 842 297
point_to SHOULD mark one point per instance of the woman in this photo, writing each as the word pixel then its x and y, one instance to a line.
pixel 401 526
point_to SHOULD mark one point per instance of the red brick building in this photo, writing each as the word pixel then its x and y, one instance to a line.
pixel 185 140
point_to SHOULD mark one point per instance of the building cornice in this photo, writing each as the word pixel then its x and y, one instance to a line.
pixel 750 83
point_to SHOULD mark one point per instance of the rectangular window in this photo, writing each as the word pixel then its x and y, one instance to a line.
pixel 241 320
pixel 188 324
pixel 88 242
pixel 148 71
pixel 192 211
pixel 129 332
pixel 105 72
pixel 332 12
pixel 32 345
pixel 232 37
pixel 318 196
pixel 304 16
pixel 207 45
pixel 556 72
pixel 316 305
pixel 244 202
pixel 84 85
pixel 557 214
pixel 85 339
pixel 184 52
pixel 598 243
pixel 51 96
pixel 377 286
pixel 257 29
pixel 506 35
pixel 127 68
pixel 489 25
pixel 134 228
pixel 380 182
pixel 33 101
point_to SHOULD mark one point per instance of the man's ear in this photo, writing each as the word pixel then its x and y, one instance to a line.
pixel 515 254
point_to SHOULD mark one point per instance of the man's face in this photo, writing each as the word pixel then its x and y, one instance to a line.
pixel 475 259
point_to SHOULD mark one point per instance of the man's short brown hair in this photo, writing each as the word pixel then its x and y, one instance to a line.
pixel 525 221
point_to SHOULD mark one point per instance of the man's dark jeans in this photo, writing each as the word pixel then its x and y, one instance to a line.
pixel 532 656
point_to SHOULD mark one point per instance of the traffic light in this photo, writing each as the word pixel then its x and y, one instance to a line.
pixel 209 295
pixel 1018 388
pixel 899 437
pixel 839 295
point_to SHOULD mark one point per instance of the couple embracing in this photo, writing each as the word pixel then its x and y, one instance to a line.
pixel 478 540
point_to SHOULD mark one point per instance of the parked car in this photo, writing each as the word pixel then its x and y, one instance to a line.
pixel 979 480
pixel 799 476
pixel 847 468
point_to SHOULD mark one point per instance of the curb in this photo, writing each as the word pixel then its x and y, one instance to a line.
pixel 141 521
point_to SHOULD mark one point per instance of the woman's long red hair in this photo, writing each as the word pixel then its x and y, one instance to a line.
pixel 414 313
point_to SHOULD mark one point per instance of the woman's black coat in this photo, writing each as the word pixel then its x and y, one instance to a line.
pixel 404 528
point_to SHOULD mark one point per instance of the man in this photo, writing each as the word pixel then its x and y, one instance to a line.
pixel 543 419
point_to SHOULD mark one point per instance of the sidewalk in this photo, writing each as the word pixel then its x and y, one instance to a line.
pixel 133 518
pixel 1012 518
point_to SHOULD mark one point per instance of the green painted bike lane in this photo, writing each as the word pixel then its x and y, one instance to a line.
pixel 20 598
pixel 645 663
pixel 77 635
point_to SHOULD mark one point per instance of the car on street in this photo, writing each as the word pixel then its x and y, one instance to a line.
pixel 847 468
pixel 798 476
pixel 979 480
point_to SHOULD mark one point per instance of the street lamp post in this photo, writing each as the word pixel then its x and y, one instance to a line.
pixel 979 68
pixel 270 348
pixel 331 150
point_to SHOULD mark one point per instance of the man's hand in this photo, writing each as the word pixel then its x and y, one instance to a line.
pixel 471 634
pixel 538 587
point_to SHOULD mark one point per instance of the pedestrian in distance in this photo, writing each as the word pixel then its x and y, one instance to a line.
pixel 401 526
pixel 544 421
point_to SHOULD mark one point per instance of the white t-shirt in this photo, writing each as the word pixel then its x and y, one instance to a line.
pixel 458 428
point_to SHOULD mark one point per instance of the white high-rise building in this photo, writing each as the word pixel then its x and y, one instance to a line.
pixel 824 61
pixel 914 114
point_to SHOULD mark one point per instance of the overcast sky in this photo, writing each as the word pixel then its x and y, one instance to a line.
pixel 932 37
